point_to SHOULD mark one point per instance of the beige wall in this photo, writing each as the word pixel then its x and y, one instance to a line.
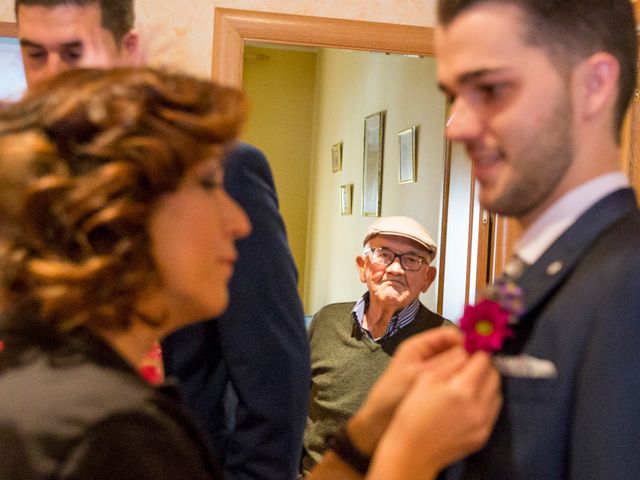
pixel 280 85
pixel 187 27
pixel 6 11
pixel 352 85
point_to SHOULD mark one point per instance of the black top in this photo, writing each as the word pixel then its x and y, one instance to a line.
pixel 70 407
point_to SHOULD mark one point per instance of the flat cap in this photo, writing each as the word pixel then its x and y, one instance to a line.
pixel 402 227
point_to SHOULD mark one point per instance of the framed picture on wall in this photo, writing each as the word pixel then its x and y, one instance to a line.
pixel 407 163
pixel 372 164
pixel 336 157
pixel 346 196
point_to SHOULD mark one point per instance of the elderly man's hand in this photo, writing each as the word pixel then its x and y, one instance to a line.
pixel 438 351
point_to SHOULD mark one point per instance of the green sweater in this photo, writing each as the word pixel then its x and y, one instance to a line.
pixel 344 366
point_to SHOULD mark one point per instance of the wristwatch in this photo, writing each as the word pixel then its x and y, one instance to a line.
pixel 342 445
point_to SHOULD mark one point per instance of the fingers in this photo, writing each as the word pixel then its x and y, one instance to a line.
pixel 437 351
pixel 480 373
pixel 444 365
pixel 479 377
pixel 478 368
pixel 438 354
pixel 480 382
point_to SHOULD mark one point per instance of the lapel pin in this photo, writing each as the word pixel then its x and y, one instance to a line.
pixel 554 267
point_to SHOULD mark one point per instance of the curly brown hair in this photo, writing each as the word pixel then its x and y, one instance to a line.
pixel 83 160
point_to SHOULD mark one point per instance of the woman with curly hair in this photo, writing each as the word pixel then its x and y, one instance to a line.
pixel 114 231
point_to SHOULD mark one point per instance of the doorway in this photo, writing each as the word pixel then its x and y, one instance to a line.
pixel 233 28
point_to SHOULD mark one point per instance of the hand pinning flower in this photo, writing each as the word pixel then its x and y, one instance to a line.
pixel 485 326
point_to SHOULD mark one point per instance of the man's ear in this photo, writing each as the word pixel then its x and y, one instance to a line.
pixel 596 84
pixel 430 276
pixel 360 262
pixel 131 48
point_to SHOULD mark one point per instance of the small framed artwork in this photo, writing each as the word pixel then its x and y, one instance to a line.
pixel 407 163
pixel 346 196
pixel 336 157
pixel 372 164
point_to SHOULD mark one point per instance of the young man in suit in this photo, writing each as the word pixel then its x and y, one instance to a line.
pixel 246 375
pixel 539 90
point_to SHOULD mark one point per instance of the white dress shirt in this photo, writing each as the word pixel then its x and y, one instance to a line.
pixel 563 213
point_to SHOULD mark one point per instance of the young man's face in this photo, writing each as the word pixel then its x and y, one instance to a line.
pixel 54 39
pixel 511 109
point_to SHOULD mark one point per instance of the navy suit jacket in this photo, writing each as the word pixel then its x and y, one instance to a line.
pixel 582 312
pixel 246 375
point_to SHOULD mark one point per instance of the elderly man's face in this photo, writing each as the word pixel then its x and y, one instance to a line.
pixel 391 285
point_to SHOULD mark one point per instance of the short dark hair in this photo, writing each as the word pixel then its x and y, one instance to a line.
pixel 571 30
pixel 117 15
pixel 84 160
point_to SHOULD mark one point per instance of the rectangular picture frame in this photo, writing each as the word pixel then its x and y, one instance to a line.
pixel 346 198
pixel 336 157
pixel 407 167
pixel 372 164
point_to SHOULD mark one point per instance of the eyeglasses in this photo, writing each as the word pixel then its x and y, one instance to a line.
pixel 408 261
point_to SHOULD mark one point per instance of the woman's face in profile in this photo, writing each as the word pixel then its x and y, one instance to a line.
pixel 193 232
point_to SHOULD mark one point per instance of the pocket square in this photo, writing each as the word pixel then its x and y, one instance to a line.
pixel 525 366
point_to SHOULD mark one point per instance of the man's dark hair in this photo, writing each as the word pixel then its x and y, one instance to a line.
pixel 117 15
pixel 570 31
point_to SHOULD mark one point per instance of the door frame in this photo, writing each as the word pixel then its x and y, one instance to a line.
pixel 234 27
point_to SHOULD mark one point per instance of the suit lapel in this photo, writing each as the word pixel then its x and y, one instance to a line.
pixel 544 276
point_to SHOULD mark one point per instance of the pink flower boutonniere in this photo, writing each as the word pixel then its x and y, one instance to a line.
pixel 1 345
pixel 485 326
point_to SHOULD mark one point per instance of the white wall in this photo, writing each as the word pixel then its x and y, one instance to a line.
pixel 352 85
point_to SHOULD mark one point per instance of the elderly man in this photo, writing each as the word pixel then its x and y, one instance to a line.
pixel 351 343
